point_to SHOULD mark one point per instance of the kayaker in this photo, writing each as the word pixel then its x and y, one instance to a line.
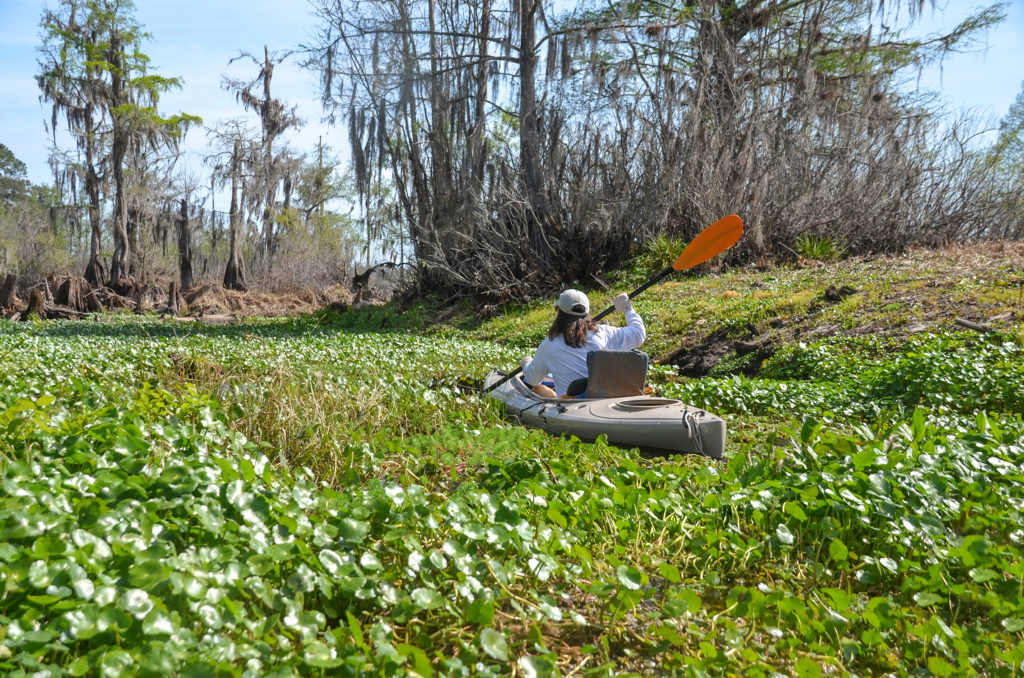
pixel 572 336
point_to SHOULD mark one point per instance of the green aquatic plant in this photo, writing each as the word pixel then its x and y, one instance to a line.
pixel 284 498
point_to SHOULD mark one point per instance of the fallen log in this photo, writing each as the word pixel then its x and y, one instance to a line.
pixel 111 299
pixel 64 313
pixel 977 327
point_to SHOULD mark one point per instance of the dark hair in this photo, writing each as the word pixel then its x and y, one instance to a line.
pixel 572 328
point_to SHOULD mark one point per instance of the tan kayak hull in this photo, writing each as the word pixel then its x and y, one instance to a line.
pixel 657 424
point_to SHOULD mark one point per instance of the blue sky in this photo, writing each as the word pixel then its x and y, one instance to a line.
pixel 195 40
pixel 192 40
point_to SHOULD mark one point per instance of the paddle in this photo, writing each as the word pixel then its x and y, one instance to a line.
pixel 712 241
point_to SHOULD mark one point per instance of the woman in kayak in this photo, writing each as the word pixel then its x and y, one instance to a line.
pixel 572 336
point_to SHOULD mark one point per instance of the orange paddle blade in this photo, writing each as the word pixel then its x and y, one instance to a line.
pixel 713 240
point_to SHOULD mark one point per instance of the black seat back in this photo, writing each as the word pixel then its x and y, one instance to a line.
pixel 615 374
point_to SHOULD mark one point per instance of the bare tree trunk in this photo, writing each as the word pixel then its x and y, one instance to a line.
pixel 270 131
pixel 419 214
pixel 214 229
pixel 7 292
pixel 119 146
pixel 439 151
pixel 134 225
pixel 119 259
pixel 173 298
pixel 234 272
pixel 477 156
pixel 94 271
pixel 529 134
pixel 184 248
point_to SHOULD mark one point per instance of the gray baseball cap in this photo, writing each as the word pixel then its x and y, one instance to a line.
pixel 573 302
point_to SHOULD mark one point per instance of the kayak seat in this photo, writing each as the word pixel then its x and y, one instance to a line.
pixel 616 374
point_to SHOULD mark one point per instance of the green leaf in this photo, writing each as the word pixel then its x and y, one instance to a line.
pixel 136 602
pixel 493 643
pixel 115 662
pixel 872 637
pixel 670 573
pixel 79 667
pixel 331 561
pixel 927 598
pixel 940 667
pixel 318 654
pixel 805 667
pixel 794 509
pixel 707 649
pixel 536 667
pixel 682 602
pixel 39 574
pixel 421 663
pixel 555 516
pixel 427 599
pixel 889 564
pixel 982 574
pixel 837 551
pixel 1013 624
pixel 437 560
pixel 47 547
pixel 666 632
pixel 809 428
pixel 784 535
pixel 147 574
pixel 357 630
pixel 480 611
pixel 82 623
pixel 157 623
pixel 115 618
pixel 352 530
pixel 631 578
pixel 210 616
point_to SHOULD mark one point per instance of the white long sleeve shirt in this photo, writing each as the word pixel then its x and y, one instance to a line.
pixel 566 363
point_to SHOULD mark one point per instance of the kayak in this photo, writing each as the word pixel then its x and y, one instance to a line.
pixel 650 423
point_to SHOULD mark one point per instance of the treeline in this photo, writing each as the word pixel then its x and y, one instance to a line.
pixel 509 146
pixel 124 212
pixel 523 148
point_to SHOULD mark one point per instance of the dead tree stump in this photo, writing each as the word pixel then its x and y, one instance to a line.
pixel 76 293
pixel 7 292
pixel 69 294
pixel 173 299
pixel 89 298
pixel 36 306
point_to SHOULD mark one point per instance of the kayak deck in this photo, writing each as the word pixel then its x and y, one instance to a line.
pixel 655 424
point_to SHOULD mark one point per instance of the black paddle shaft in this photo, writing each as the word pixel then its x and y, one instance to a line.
pixel 656 279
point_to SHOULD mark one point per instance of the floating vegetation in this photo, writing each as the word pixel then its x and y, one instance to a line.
pixel 282 498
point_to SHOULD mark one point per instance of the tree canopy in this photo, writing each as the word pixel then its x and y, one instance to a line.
pixel 506 147
pixel 13 182
pixel 529 143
